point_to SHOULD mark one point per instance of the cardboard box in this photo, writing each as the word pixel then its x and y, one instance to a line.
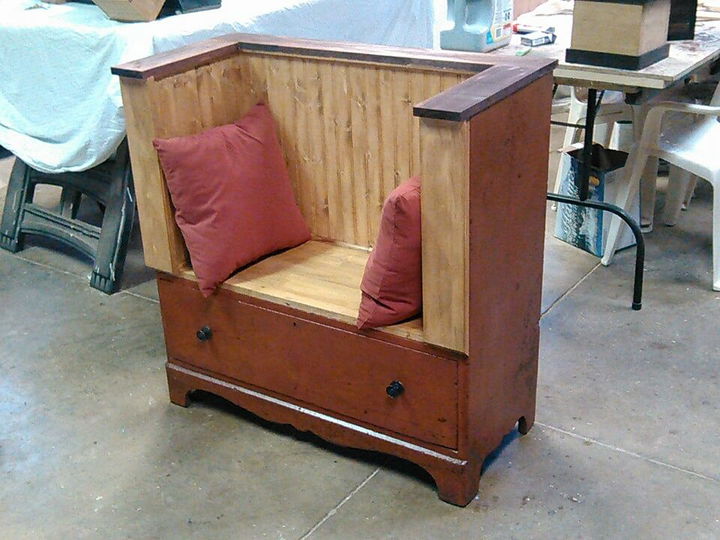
pixel 131 10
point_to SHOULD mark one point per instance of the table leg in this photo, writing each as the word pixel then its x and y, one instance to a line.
pixel 584 188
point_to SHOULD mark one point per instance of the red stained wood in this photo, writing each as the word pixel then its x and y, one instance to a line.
pixel 457 480
pixel 508 180
pixel 312 363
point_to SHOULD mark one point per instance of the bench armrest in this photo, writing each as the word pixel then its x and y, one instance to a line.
pixel 472 96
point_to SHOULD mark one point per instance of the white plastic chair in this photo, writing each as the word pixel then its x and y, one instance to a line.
pixel 613 109
pixel 689 140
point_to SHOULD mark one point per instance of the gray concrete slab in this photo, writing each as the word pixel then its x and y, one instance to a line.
pixel 563 266
pixel 90 447
pixel 544 485
pixel 645 381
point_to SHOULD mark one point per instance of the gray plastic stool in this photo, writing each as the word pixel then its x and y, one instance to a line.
pixel 109 184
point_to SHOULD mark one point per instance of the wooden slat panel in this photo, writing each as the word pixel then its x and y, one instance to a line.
pixel 314 148
pixel 359 134
pixel 177 106
pixel 445 191
pixel 374 195
pixel 345 205
pixel 402 108
pixel 222 92
pixel 387 174
pixel 330 147
pixel 163 247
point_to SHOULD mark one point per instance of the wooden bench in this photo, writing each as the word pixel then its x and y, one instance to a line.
pixel 355 121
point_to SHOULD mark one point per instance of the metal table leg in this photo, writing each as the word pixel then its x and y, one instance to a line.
pixel 584 189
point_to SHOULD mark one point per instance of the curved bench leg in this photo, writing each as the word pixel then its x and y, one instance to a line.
pixel 457 485
pixel 179 386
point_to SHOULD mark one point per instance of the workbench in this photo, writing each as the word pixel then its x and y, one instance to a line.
pixel 686 59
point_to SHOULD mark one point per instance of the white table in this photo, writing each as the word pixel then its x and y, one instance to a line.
pixel 685 57
pixel 60 107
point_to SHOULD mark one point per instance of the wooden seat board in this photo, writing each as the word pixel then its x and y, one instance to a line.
pixel 319 277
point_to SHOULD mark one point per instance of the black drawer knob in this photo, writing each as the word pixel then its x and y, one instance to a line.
pixel 394 389
pixel 204 333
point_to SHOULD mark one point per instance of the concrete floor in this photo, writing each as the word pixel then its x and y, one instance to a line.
pixel 625 445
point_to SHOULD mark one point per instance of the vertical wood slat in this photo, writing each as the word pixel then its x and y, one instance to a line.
pixel 445 223
pixel 342 97
pixel 373 158
pixel 359 135
pixel 330 145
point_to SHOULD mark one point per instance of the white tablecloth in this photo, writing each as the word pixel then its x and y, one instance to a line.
pixel 60 107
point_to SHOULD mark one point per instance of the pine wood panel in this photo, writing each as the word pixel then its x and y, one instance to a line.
pixel 317 277
pixel 346 129
pixel 445 222
pixel 163 246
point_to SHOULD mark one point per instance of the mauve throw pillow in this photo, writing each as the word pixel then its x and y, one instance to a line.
pixel 392 282
pixel 232 195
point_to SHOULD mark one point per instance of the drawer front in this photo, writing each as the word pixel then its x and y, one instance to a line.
pixel 317 364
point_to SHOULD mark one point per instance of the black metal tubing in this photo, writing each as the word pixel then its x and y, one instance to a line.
pixel 634 227
pixel 566 124
pixel 594 101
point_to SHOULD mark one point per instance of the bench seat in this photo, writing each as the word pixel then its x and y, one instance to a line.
pixel 318 277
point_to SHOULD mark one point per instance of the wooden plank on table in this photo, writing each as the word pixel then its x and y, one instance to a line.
pixel 131 10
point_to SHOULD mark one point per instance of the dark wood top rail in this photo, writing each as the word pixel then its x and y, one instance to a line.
pixel 178 60
pixel 479 92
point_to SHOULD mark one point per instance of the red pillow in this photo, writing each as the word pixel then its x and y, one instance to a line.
pixel 392 283
pixel 232 195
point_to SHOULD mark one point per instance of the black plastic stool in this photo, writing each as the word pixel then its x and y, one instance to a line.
pixel 109 184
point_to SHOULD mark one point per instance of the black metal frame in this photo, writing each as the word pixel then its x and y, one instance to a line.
pixel 583 180
pixel 110 184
